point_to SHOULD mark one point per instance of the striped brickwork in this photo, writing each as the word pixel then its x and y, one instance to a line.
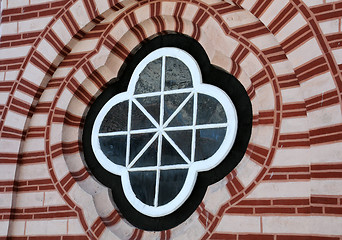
pixel 57 56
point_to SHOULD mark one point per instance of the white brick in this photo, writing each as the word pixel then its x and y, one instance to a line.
pixel 273 10
pixel 100 58
pixel 48 95
pixel 56 133
pixel 190 229
pixel 306 52
pixel 310 225
pixel 2 74
pixel 3 98
pixel 223 44
pixel 296 23
pixel 167 8
pixel 5 200
pixel 85 45
pixel 102 6
pixel 264 41
pixel 251 65
pixel 190 11
pixel 9 145
pixel 293 125
pixel 62 72
pixel 325 116
pixel 75 227
pixel 39 120
pixel 53 198
pixel 330 26
pixel 47 51
pixel 15 120
pixel 34 144
pixel 311 3
pixel 64 100
pixel 44 228
pixel 328 153
pixel 291 157
pixel 17 3
pixel 23 97
pixel 248 4
pixel 338 55
pixel 17 228
pixel 34 24
pixel 265 136
pixel 119 30
pixel 281 190
pixel 239 18
pixel 217 194
pixel 80 76
pixel 80 14
pixel 33 74
pixel 14 52
pixel 247 170
pixel 29 199
pixel 143 13
pixel 7 171
pixel 317 85
pixel 61 31
pixel 11 75
pixel 9 28
pixel 237 224
pixel 33 171
pixel 265 97
pixel 290 95
pixel 4 225
pixel 40 1
pixel 326 187
pixel 282 68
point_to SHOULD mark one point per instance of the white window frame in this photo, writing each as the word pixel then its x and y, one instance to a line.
pixel 193 166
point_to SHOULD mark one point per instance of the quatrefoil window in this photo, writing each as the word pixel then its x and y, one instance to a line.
pixel 163 130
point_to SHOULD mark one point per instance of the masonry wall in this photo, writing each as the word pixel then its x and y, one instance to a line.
pixel 56 56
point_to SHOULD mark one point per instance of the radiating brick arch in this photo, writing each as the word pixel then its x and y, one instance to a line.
pixel 274 75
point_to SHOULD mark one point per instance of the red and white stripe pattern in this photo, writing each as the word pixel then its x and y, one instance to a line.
pixel 56 56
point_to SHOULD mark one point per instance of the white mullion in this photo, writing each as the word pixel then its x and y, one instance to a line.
pixel 142 151
pixel 178 109
pixel 180 152
pixel 169 92
pixel 145 112
pixel 128 131
pixel 204 126
pixel 108 134
pixel 141 131
pixel 155 168
pixel 160 137
pixel 156 193
pixel 194 119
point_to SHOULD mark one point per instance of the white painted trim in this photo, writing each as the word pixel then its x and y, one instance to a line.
pixel 161 130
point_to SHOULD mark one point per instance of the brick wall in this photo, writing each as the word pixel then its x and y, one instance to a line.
pixel 55 56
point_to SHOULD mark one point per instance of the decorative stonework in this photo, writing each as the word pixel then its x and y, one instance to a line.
pixel 285 53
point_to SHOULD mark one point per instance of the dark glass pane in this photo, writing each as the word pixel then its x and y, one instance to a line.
pixel 209 110
pixel 139 119
pixel 138 142
pixel 114 147
pixel 116 118
pixel 208 141
pixel 183 139
pixel 177 74
pixel 169 155
pixel 150 78
pixel 143 185
pixel 152 105
pixel 185 116
pixel 149 158
pixel 172 102
pixel 170 184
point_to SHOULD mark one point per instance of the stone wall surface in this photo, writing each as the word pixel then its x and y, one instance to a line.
pixel 56 56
